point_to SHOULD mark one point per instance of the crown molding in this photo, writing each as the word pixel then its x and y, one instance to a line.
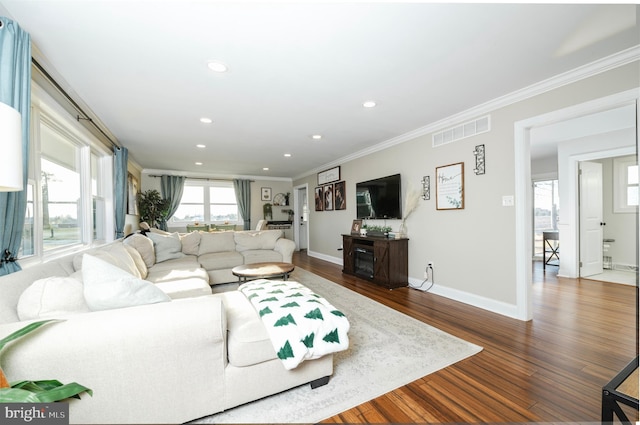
pixel 599 66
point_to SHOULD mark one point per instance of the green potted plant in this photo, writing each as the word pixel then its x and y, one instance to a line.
pixel 46 391
pixel 153 208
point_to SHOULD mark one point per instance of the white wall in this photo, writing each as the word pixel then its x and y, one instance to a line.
pixel 473 250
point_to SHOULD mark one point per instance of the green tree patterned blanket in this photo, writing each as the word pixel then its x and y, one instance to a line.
pixel 302 325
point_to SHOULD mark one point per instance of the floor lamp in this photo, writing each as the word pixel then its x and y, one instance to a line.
pixel 11 179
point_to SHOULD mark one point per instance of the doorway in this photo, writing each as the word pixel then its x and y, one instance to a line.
pixel 525 138
pixel 301 217
pixel 546 209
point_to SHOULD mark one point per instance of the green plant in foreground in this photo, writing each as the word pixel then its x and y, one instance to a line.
pixel 46 391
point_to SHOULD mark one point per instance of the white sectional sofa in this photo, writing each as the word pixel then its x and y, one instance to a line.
pixel 187 354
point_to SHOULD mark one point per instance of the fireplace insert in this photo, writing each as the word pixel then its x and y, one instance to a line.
pixel 363 261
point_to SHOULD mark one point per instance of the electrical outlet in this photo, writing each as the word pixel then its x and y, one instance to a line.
pixel 430 264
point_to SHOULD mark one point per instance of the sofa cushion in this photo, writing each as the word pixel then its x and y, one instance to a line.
pixel 107 286
pixel 138 261
pixel 216 242
pixel 190 243
pixel 221 260
pixel 52 297
pixel 144 246
pixel 248 342
pixel 167 247
pixel 264 239
pixel 261 256
pixel 115 254
pixel 166 275
pixel 186 262
pixel 185 288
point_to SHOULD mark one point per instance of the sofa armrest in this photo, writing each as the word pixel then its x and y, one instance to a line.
pixel 158 363
pixel 285 247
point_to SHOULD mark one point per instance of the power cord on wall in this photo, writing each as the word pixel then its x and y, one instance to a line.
pixel 421 286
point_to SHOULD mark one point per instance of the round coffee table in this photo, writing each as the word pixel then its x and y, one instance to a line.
pixel 262 270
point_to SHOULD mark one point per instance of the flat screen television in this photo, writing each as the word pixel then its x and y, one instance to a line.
pixel 379 198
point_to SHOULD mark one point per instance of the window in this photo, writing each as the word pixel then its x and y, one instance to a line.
pixel 61 187
pixel 70 183
pixel 625 186
pixel 207 202
pixel 546 208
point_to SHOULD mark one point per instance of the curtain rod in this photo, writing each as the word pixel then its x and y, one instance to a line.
pixel 77 107
pixel 200 178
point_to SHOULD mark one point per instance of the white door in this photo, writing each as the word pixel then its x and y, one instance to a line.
pixel 591 223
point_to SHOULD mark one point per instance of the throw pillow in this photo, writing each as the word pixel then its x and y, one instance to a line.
pixel 137 259
pixel 144 246
pixel 216 242
pixel 114 253
pixel 52 297
pixel 190 243
pixel 167 247
pixel 107 286
pixel 265 239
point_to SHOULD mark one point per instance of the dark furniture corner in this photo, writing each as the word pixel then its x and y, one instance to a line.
pixel 383 261
pixel 623 388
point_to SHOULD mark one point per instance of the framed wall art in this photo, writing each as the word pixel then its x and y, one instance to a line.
pixel 319 199
pixel 327 191
pixel 265 194
pixel 328 176
pixel 340 196
pixel 450 187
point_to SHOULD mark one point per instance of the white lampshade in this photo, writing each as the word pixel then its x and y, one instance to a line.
pixel 10 149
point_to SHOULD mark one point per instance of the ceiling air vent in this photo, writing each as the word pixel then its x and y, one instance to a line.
pixel 462 131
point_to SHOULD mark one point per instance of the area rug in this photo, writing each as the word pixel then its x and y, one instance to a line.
pixel 387 350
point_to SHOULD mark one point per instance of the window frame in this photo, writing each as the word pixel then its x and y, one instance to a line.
pixel 205 185
pixel 46 111
pixel 620 184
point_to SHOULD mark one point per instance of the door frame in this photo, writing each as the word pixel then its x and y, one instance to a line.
pixel 297 214
pixel 524 190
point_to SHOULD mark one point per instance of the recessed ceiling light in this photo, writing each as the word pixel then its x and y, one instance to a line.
pixel 316 137
pixel 206 120
pixel 198 163
pixel 201 146
pixel 369 104
pixel 216 66
pixel 287 155
pixel 265 169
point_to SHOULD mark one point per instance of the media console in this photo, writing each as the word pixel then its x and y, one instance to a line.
pixel 380 260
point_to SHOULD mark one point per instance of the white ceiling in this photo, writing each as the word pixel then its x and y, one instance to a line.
pixel 298 69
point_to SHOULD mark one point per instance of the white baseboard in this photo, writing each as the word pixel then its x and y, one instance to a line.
pixel 334 260
pixel 499 307
pixel 494 306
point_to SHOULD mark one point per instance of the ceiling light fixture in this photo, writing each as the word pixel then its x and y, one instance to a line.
pixel 316 137
pixel 216 66
pixel 198 163
pixel 265 169
pixel 369 104
pixel 287 155
pixel 201 146
pixel 206 120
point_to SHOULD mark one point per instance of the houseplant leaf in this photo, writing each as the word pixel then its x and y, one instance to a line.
pixel 23 331
pixel 17 395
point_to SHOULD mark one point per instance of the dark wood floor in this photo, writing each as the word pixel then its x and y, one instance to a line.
pixel 549 369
